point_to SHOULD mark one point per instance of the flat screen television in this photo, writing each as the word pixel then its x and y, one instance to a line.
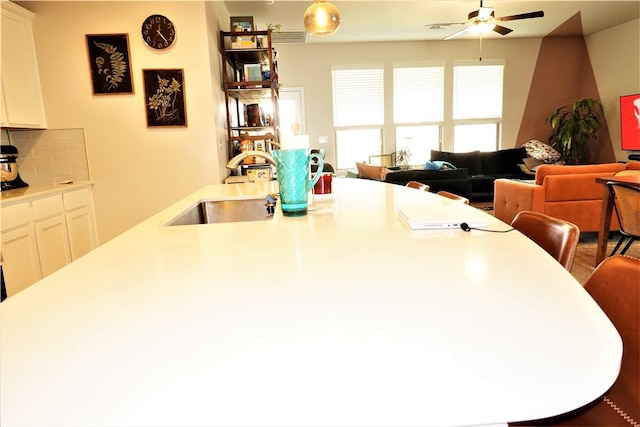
pixel 630 122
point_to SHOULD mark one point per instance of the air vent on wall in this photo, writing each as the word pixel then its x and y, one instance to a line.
pixel 288 37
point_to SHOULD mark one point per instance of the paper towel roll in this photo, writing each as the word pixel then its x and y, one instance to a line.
pixel 293 142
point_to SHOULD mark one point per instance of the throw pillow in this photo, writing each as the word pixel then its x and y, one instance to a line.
pixel 469 161
pixel 369 172
pixel 540 151
pixel 385 171
pixel 438 165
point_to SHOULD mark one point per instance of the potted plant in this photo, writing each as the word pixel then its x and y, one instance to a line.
pixel 573 127
pixel 401 158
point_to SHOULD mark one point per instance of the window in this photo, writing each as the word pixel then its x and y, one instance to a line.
pixel 418 110
pixel 477 107
pixel 418 141
pixel 358 113
pixel 466 116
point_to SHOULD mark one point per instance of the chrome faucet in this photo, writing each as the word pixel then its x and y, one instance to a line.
pixel 235 161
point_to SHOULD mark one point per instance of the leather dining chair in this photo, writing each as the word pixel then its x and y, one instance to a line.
pixel 627 207
pixel 615 286
pixel 556 236
pixel 452 196
pixel 418 185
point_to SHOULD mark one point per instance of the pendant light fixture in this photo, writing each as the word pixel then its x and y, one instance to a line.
pixel 321 18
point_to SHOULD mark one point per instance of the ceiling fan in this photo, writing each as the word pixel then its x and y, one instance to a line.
pixel 483 20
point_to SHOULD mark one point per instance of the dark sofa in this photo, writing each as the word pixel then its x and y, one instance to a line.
pixel 474 174
pixel 455 181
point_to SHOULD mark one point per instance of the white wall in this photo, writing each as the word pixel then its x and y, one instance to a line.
pixel 309 65
pixel 137 170
pixel 615 58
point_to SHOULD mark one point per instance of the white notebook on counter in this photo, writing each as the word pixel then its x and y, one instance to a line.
pixel 438 217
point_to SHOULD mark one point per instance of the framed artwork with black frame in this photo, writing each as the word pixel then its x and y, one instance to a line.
pixel 164 97
pixel 110 63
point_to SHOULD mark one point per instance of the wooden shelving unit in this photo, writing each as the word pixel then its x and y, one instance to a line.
pixel 250 83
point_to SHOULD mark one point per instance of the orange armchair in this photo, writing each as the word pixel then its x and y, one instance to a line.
pixel 562 191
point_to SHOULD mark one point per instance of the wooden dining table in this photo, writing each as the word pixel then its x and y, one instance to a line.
pixel 607 206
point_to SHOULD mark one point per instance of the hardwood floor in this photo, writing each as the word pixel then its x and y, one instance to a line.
pixel 583 264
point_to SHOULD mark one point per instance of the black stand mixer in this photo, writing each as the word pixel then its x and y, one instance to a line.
pixel 9 176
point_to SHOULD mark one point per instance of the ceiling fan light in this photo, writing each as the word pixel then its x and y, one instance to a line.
pixel 482 28
pixel 321 18
pixel 485 13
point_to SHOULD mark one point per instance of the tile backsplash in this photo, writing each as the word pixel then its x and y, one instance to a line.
pixel 49 156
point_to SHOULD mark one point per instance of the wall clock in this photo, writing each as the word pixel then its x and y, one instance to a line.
pixel 158 32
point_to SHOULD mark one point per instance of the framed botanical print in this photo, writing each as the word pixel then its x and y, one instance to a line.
pixel 110 63
pixel 164 97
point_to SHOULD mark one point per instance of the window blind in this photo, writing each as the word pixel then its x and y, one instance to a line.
pixel 477 91
pixel 358 97
pixel 418 94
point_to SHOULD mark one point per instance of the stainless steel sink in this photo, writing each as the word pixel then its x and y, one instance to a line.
pixel 219 211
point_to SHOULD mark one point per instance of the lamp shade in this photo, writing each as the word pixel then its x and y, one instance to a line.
pixel 321 18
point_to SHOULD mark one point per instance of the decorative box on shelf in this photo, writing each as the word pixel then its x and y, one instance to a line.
pixel 243 43
pixel 252 72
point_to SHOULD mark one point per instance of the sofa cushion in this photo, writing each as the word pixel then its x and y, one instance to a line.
pixel 367 171
pixel 540 151
pixel 502 163
pixel 454 180
pixel 632 165
pixel 469 161
pixel 572 187
pixel 421 175
pixel 602 169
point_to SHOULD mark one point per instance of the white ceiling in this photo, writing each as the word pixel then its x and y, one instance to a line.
pixel 378 20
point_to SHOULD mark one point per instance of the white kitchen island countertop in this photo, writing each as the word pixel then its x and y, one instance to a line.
pixel 341 317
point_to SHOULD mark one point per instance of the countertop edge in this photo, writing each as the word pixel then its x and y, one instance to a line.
pixel 19 195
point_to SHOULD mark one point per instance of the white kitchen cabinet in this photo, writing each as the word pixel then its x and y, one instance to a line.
pixel 21 265
pixel 22 104
pixel 45 233
pixel 80 220
pixel 80 228
pixel 51 233
pixel 53 244
pixel 3 109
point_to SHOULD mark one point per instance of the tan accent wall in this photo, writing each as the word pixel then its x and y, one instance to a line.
pixel 563 73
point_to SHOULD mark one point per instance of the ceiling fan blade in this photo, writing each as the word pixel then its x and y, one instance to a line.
pixel 538 14
pixel 457 33
pixel 442 25
pixel 502 30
